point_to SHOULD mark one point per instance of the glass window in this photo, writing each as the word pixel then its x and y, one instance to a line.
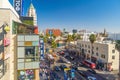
pixel 113 57
pixel 29 54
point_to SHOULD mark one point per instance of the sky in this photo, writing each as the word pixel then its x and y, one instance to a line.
pixel 92 15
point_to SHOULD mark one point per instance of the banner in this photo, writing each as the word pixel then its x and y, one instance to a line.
pixel 18 6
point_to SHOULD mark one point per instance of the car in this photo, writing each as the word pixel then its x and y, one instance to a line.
pixel 74 67
pixel 80 64
pixel 57 68
pixel 92 71
pixel 82 73
pixel 91 78
pixel 63 66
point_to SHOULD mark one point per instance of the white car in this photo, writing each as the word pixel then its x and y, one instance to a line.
pixel 91 78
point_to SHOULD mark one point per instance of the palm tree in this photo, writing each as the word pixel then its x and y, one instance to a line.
pixel 69 38
pixel 117 46
pixel 92 39
pixel 74 37
pixel 79 37
pixel 53 44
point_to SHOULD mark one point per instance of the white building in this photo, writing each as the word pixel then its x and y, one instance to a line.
pixel 104 54
pixel 85 34
pixel 32 13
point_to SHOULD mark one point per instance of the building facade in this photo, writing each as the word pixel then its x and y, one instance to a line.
pixel 55 32
pixel 104 54
pixel 9 67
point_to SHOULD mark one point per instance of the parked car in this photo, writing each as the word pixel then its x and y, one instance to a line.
pixel 92 71
pixel 57 68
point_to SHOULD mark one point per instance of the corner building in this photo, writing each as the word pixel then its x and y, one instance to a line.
pixel 15 47
pixel 104 54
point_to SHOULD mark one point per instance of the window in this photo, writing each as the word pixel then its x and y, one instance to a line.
pixel 97 54
pixel 102 56
pixel 85 45
pixel 113 51
pixel 96 48
pixel 113 57
pixel 89 46
pixel 88 51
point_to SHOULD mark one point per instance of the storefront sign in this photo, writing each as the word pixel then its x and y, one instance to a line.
pixel 17 6
pixel 26 75
pixel 6 42
pixel 7 28
pixel 27 43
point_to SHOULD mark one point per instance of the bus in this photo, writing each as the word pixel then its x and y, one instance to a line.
pixel 89 64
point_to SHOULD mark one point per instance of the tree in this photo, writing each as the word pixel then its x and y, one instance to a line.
pixel 79 37
pixel 53 44
pixel 117 46
pixel 74 37
pixel 92 39
pixel 69 38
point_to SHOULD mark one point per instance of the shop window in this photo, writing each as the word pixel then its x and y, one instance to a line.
pixel 113 51
pixel 113 57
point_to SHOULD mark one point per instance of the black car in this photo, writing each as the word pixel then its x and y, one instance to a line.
pixel 63 66
pixel 57 68
pixel 82 73
pixel 92 71
pixel 74 67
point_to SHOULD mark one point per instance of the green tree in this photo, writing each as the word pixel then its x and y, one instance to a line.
pixel 117 46
pixel 74 37
pixel 79 37
pixel 53 44
pixel 69 38
pixel 92 39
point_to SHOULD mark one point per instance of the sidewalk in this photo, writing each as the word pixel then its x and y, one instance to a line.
pixel 108 75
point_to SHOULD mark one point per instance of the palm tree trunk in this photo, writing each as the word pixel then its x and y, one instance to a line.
pixel 91 52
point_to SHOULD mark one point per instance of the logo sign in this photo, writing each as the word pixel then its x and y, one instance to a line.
pixel 17 6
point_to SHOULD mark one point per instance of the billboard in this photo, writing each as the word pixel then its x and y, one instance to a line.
pixel 18 6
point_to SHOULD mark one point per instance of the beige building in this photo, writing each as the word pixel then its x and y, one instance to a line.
pixel 8 68
pixel 7 15
pixel 104 54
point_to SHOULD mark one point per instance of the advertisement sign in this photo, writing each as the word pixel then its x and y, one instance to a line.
pixel 26 74
pixel 27 43
pixel 18 6
pixel 41 48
